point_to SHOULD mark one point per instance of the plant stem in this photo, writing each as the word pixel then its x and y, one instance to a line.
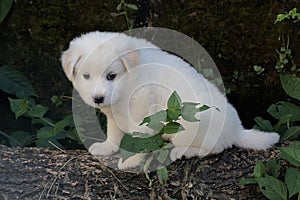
pixel 127 19
pixel 47 121
pixel 10 138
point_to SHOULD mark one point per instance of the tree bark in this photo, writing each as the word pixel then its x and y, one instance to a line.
pixel 33 173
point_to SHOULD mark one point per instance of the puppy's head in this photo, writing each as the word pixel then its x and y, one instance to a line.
pixel 95 62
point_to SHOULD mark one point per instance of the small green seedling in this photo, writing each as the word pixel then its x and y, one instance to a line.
pixel 258 69
pixel 162 122
pixel 292 14
pixel 122 9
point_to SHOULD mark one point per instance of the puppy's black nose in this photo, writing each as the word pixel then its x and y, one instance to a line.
pixel 98 99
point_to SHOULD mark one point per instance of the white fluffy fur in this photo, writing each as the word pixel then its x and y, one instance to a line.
pixel 146 76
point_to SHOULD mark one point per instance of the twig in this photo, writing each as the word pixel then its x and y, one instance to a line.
pixel 55 178
pixel 126 188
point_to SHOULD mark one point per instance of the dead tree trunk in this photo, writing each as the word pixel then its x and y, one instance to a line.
pixel 33 173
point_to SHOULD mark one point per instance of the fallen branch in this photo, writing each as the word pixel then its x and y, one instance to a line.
pixel 33 173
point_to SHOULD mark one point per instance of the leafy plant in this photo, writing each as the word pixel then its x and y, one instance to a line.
pixel 258 69
pixel 44 132
pixel 285 54
pixel 292 14
pixel 291 85
pixel 122 9
pixel 162 122
pixel 285 62
pixel 5 6
pixel 287 114
pixel 14 82
pixel 267 175
pixel 274 181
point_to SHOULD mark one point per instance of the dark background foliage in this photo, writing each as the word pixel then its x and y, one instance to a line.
pixel 238 34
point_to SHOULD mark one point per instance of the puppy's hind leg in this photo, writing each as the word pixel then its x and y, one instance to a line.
pixel 178 151
pixel 131 162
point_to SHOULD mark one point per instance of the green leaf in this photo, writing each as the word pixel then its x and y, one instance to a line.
pixel 293 13
pixel 37 111
pixel 113 14
pixel 155 121
pixel 5 6
pixel 132 145
pixel 205 107
pixel 163 175
pixel 273 168
pixel 156 126
pixel 291 85
pixel 173 114
pixel 66 122
pixel 120 5
pixel 172 127
pixel 272 188
pixel 208 72
pixel 14 82
pixel 131 6
pixel 258 69
pixel 126 154
pixel 291 133
pixel 56 100
pixel 60 125
pixel 22 138
pixel 283 120
pixel 188 111
pixel 174 106
pixel 163 155
pixel 264 125
pixel 72 133
pixel 43 121
pixel 50 142
pixel 247 181
pixel 160 116
pixel 145 167
pixel 19 106
pixel 292 180
pixel 283 108
pixel 281 17
pixel 259 170
pixel 291 153
pixel 45 132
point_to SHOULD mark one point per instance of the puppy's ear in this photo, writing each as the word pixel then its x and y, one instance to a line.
pixel 69 59
pixel 130 58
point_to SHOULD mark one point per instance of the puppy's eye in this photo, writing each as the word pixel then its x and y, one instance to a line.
pixel 86 76
pixel 111 76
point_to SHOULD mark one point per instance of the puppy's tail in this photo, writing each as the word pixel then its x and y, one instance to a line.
pixel 255 139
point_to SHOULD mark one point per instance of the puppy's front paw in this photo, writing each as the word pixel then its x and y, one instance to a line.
pixel 104 148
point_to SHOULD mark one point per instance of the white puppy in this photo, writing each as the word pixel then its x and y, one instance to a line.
pixel 129 79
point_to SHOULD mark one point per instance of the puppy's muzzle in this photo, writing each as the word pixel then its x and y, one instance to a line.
pixel 98 99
